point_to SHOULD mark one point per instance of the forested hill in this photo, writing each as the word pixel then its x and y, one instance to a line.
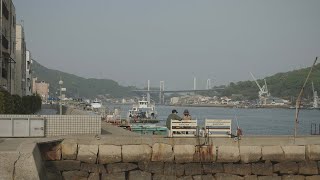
pixel 78 86
pixel 285 85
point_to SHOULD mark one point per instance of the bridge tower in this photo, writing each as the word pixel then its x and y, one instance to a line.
pixel 208 84
pixel 148 93
pixel 194 83
pixel 161 93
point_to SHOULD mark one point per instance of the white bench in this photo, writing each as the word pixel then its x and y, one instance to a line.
pixel 218 127
pixel 183 128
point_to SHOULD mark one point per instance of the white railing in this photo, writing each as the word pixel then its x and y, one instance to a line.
pixel 183 128
pixel 218 127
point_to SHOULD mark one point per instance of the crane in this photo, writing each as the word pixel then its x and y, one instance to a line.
pixel 263 91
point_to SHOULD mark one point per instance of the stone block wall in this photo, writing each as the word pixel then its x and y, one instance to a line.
pixel 163 161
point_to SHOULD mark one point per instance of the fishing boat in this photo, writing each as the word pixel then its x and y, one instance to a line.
pixel 96 104
pixel 143 112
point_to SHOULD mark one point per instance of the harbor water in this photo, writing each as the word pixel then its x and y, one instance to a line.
pixel 260 121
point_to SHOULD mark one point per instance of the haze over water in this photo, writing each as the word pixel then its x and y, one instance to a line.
pixel 252 121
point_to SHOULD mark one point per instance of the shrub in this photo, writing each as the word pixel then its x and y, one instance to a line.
pixel 14 104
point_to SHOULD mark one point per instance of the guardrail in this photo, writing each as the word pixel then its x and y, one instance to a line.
pixel 315 129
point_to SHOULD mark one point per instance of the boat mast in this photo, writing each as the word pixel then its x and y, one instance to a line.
pixel 298 102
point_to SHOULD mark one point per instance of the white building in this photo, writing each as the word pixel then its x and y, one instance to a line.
pixel 7 45
pixel 20 65
pixel 28 74
pixel 174 100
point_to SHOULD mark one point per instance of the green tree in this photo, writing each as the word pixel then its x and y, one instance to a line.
pixel 17 104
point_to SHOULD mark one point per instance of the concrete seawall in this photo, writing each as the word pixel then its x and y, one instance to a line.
pixel 21 159
pixel 144 157
pixel 184 158
pixel 74 111
pixel 66 110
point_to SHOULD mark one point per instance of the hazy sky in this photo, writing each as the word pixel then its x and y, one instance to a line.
pixel 131 41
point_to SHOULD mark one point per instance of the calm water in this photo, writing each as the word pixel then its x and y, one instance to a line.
pixel 252 121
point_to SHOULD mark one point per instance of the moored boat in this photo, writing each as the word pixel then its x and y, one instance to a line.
pixel 143 112
pixel 96 104
pixel 149 129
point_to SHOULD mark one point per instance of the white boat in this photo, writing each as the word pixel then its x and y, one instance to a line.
pixel 96 104
pixel 143 111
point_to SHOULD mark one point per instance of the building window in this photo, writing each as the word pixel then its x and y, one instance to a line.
pixel 5 68
pixel 5 11
pixel 5 42
pixel 14 21
pixel 14 46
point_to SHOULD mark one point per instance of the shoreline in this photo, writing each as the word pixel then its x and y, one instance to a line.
pixel 226 106
pixel 232 106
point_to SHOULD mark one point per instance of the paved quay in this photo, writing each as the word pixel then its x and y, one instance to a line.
pixel 117 136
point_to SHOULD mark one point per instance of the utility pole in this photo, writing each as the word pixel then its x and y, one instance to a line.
pixel 60 83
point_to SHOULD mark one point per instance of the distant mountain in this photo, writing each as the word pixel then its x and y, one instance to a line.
pixel 77 86
pixel 285 85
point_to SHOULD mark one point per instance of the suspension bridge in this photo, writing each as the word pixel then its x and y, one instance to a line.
pixel 161 91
